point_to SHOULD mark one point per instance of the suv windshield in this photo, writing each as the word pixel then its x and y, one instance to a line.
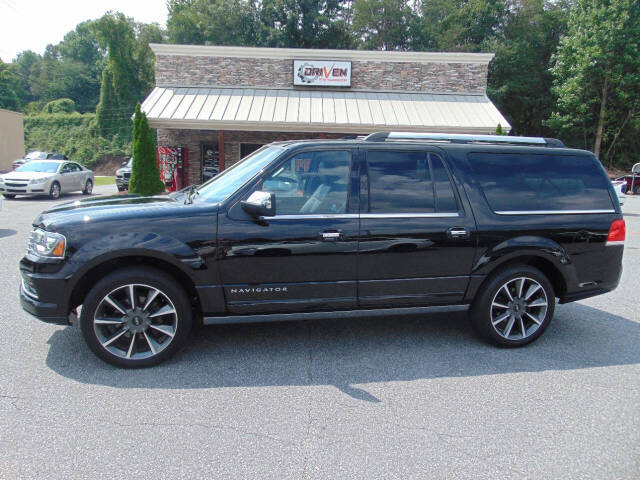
pixel 36 156
pixel 224 184
pixel 47 167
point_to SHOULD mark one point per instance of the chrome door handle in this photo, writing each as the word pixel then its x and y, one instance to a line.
pixel 331 236
pixel 458 232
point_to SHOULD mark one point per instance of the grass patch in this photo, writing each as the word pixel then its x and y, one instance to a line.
pixel 104 181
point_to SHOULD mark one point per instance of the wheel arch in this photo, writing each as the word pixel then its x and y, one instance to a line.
pixel 556 277
pixel 89 278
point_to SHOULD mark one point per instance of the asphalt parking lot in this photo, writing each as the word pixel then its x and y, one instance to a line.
pixel 365 399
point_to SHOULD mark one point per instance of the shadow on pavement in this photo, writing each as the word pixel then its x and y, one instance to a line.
pixel 352 352
pixel 7 232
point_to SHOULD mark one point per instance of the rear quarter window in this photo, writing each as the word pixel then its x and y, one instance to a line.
pixel 539 182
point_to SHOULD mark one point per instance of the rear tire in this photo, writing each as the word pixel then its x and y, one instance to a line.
pixel 514 306
pixel 88 188
pixel 141 332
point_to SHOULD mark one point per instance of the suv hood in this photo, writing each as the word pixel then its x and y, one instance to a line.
pixel 112 208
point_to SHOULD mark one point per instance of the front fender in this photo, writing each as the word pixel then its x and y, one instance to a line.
pixel 127 244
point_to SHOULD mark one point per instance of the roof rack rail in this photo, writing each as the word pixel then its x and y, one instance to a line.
pixel 463 138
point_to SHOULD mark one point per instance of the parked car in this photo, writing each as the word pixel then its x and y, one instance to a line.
pixel 123 175
pixel 38 156
pixel 620 186
pixel 46 177
pixel 392 224
pixel 632 180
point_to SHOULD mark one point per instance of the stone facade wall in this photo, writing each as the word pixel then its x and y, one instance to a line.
pixel 193 139
pixel 183 71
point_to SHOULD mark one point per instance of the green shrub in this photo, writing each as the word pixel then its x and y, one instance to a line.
pixel 71 134
pixel 62 105
pixel 145 176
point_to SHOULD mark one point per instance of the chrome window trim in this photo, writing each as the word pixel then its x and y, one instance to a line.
pixel 363 215
pixel 551 212
pixel 312 216
pixel 410 215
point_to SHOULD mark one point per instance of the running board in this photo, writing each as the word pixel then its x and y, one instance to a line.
pixel 339 314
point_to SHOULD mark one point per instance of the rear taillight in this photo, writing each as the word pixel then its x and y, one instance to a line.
pixel 617 233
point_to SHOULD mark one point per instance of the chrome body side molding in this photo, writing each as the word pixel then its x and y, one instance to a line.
pixel 340 314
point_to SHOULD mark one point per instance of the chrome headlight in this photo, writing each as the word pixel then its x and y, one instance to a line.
pixel 37 181
pixel 46 244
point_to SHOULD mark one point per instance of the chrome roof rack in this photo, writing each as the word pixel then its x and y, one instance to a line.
pixel 462 138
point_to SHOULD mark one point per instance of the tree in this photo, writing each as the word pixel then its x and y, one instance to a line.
pixel 143 57
pixel 9 88
pixel 519 77
pixel 62 105
pixel 145 176
pixel 457 25
pixel 120 82
pixel 381 24
pixel 107 119
pixel 303 23
pixel 596 76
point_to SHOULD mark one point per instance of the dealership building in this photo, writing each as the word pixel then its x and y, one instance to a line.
pixel 218 104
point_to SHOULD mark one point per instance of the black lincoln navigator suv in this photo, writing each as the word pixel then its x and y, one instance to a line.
pixel 391 223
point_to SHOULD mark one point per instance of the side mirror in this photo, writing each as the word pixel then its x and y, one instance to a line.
pixel 260 204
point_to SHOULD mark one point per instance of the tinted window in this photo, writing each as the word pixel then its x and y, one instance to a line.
pixel 445 198
pixel 311 183
pixel 226 183
pixel 514 182
pixel 399 182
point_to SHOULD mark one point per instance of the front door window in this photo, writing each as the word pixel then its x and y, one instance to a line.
pixel 311 183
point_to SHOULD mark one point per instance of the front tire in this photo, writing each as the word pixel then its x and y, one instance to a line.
pixel 136 317
pixel 54 191
pixel 88 187
pixel 514 307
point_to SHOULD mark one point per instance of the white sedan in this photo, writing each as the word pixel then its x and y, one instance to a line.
pixel 47 177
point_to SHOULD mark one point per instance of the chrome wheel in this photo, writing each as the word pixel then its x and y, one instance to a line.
pixel 88 187
pixel 135 321
pixel 519 308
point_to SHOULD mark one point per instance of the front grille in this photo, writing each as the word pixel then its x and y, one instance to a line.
pixel 17 183
pixel 127 174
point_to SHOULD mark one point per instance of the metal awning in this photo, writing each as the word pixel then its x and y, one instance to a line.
pixel 259 109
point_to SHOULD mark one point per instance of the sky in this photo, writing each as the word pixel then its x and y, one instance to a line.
pixel 33 24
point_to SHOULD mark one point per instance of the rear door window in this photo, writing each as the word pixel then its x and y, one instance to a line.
pixel 539 182
pixel 408 182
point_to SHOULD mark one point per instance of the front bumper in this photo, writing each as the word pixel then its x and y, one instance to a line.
pixel 44 311
pixel 122 183
pixel 38 189
pixel 44 295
